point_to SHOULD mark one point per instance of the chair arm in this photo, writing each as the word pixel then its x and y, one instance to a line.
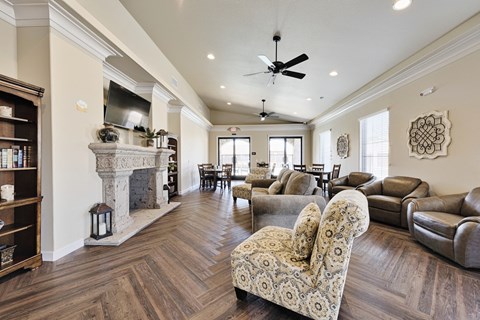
pixel 371 188
pixel 467 241
pixel 372 179
pixel 280 210
pixel 339 181
pixel 262 183
pixel 420 192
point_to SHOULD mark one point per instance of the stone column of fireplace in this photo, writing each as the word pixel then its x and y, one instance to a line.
pixel 115 164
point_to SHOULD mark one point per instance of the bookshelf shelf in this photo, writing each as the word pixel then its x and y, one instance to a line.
pixel 20 154
pixel 173 173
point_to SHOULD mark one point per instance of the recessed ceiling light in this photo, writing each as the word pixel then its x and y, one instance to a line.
pixel 333 73
pixel 222 87
pixel 211 56
pixel 401 4
pixel 309 99
pixel 229 103
pixel 294 113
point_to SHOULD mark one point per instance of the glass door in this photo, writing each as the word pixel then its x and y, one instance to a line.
pixel 285 152
pixel 237 152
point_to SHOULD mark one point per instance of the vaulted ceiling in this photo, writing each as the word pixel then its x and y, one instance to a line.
pixel 358 39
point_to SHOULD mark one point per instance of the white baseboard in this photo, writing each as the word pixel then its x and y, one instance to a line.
pixel 192 188
pixel 62 252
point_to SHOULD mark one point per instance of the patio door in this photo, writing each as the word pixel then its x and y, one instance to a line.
pixel 285 152
pixel 236 151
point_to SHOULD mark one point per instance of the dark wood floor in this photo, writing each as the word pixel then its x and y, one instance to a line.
pixel 179 268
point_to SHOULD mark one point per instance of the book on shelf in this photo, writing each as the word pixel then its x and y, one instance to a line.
pixel 15 157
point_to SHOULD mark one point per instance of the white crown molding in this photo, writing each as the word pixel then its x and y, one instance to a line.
pixel 455 49
pixel 6 12
pixel 198 119
pixel 44 13
pixel 262 127
pixel 174 109
pixel 155 89
pixel 115 75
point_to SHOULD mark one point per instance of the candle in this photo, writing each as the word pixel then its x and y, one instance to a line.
pixel 102 228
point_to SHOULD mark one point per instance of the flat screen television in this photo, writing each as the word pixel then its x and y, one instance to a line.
pixel 125 109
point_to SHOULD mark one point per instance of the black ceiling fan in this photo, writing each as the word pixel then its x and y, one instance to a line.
pixel 277 67
pixel 263 115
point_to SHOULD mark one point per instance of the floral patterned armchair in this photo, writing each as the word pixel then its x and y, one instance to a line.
pixel 266 264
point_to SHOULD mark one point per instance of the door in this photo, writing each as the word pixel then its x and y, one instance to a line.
pixel 285 152
pixel 237 152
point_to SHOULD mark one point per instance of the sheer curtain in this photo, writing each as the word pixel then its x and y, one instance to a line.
pixel 374 144
pixel 325 155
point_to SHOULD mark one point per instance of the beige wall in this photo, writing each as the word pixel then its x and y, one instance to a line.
pixel 8 52
pixel 458 93
pixel 76 185
pixel 259 136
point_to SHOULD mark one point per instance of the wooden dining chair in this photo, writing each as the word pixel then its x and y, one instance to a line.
pixel 333 175
pixel 300 167
pixel 318 167
pixel 225 176
pixel 206 179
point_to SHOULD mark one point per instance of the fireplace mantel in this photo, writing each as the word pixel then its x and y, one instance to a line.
pixel 116 164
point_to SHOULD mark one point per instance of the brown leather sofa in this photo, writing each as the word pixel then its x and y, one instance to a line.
pixel 353 180
pixel 388 199
pixel 449 225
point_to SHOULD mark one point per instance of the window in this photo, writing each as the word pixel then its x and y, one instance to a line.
pixel 374 151
pixel 285 151
pixel 325 155
pixel 237 152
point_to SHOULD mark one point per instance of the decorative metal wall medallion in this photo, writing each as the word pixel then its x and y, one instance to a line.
pixel 342 146
pixel 429 135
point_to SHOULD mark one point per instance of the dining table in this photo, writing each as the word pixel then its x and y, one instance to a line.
pixel 321 175
pixel 215 171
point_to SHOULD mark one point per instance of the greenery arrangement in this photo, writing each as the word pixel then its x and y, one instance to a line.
pixel 149 134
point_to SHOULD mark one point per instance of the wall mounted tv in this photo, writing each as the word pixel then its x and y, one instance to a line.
pixel 125 109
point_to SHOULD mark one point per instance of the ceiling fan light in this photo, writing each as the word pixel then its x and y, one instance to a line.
pixel 262 119
pixel 401 4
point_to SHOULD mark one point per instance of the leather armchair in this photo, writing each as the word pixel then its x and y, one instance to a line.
pixel 388 199
pixel 449 225
pixel 353 180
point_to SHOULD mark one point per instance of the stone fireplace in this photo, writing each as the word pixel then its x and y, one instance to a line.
pixel 132 185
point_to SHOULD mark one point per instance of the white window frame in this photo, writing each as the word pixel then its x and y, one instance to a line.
pixel 377 164
pixel 322 158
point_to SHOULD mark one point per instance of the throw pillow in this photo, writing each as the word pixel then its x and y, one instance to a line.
pixel 299 184
pixel 275 187
pixel 305 231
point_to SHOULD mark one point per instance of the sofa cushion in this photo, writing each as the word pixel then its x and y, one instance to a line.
pixel 299 183
pixel 281 173
pixel 357 178
pixel 385 202
pixel 471 204
pixel 275 187
pixel 338 189
pixel 305 231
pixel 399 186
pixel 441 223
pixel 259 191
pixel 286 176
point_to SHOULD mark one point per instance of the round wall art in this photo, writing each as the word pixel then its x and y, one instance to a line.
pixel 342 146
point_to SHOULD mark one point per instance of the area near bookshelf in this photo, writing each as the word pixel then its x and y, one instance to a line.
pixel 172 168
pixel 20 172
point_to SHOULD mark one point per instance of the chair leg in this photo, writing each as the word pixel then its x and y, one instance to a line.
pixel 234 199
pixel 241 294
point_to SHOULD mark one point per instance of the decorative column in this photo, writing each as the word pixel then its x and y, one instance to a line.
pixel 116 163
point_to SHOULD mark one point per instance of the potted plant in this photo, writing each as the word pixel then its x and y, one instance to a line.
pixel 150 135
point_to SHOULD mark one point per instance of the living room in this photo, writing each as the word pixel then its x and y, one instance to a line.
pixel 74 48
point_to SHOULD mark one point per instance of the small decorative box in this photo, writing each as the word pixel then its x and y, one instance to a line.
pixel 6 255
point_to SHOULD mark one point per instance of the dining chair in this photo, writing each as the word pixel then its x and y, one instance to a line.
pixel 206 179
pixel 300 167
pixel 318 167
pixel 225 177
pixel 333 175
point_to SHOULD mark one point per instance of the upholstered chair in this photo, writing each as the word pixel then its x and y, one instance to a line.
pixel 244 190
pixel 449 225
pixel 388 198
pixel 353 180
pixel 275 263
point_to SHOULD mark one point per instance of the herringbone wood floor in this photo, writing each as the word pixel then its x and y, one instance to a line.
pixel 179 268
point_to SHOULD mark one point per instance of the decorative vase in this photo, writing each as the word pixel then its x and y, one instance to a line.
pixel 108 134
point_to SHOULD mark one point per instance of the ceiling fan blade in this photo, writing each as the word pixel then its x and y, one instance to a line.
pixel 295 61
pixel 265 60
pixel 271 81
pixel 294 74
pixel 252 74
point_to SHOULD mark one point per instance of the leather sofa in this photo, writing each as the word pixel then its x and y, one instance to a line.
pixel 449 225
pixel 287 182
pixel 353 180
pixel 388 199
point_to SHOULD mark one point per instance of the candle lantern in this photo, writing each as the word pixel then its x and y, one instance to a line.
pixel 101 221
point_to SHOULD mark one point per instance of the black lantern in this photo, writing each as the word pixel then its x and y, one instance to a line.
pixel 101 221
